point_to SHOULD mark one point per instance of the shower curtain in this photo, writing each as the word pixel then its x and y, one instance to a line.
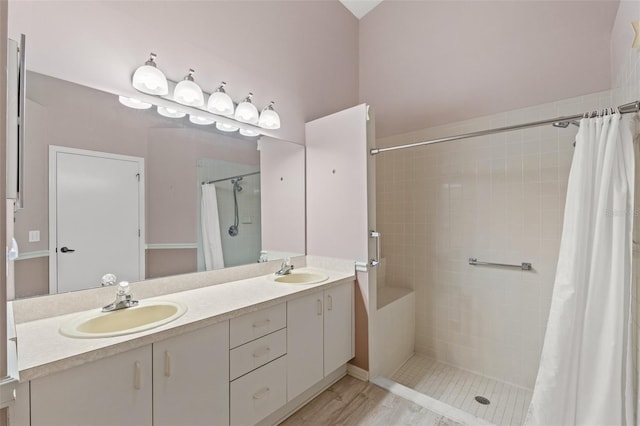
pixel 211 237
pixel 586 373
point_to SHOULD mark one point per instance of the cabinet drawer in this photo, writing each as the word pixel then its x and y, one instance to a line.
pixel 259 393
pixel 248 327
pixel 257 353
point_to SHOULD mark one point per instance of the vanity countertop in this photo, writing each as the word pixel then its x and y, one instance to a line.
pixel 42 350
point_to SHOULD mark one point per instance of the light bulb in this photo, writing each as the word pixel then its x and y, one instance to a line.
pixel 149 79
pixel 187 92
pixel 200 120
pixel 226 127
pixel 170 112
pixel 249 132
pixel 220 102
pixel 269 119
pixel 133 103
pixel 247 112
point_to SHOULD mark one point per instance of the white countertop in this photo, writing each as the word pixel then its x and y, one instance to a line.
pixel 42 350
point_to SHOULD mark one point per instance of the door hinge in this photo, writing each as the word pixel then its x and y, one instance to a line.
pixel 139 233
pixel 138 176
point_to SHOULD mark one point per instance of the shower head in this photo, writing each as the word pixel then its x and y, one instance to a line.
pixel 565 124
pixel 236 184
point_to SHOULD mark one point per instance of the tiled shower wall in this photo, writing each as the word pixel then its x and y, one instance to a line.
pixel 498 198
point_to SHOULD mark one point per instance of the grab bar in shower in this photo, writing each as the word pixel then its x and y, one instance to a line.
pixel 525 266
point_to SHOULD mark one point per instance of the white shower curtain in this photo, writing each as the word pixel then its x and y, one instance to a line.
pixel 211 237
pixel 586 374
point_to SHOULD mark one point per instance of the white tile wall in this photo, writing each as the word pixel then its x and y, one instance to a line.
pixel 498 198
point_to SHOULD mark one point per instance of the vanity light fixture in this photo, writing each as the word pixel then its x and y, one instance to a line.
pixel 133 103
pixel 249 132
pixel 220 102
pixel 226 127
pixel 269 119
pixel 200 120
pixel 187 92
pixel 170 112
pixel 149 79
pixel 246 112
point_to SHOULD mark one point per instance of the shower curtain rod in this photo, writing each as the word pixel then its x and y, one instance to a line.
pixel 624 109
pixel 231 177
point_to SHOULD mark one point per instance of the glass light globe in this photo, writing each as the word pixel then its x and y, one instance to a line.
pixel 187 92
pixel 200 120
pixel 249 132
pixel 247 112
pixel 226 127
pixel 220 102
pixel 170 112
pixel 133 103
pixel 149 79
pixel 269 119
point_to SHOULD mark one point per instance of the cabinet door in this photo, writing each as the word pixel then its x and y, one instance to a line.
pixel 304 343
pixel 111 391
pixel 191 378
pixel 338 326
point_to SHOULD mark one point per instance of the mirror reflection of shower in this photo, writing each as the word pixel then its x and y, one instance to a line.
pixel 233 229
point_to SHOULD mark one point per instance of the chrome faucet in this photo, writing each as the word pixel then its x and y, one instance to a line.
pixel 123 298
pixel 285 268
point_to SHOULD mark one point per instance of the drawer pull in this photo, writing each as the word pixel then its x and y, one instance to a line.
pixel 261 352
pixel 330 303
pixel 167 364
pixel 319 305
pixel 261 393
pixel 261 324
pixel 137 376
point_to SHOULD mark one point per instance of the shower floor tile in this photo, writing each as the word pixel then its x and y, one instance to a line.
pixel 459 388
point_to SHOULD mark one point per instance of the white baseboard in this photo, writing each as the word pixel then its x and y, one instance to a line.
pixel 357 372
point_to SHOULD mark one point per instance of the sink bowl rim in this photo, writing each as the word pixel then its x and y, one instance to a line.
pixel 69 328
pixel 321 277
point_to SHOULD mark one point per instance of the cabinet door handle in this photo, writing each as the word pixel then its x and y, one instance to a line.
pixel 167 364
pixel 319 306
pixel 329 302
pixel 137 376
pixel 261 352
pixel 261 393
pixel 261 323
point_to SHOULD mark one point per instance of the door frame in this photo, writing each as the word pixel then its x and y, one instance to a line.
pixel 53 207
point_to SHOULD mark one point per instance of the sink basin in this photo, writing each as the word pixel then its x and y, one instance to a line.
pixel 147 315
pixel 296 277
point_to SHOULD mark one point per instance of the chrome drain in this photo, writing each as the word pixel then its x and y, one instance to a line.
pixel 482 400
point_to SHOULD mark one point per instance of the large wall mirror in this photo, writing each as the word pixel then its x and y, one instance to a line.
pixel 78 141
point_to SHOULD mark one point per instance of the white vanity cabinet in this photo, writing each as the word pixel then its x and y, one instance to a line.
pixel 111 391
pixel 320 336
pixel 258 364
pixel 191 378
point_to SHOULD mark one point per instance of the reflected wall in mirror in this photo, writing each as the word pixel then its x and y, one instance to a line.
pixel 69 115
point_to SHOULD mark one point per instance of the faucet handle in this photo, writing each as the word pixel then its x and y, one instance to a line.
pixel 108 279
pixel 123 288
pixel 286 261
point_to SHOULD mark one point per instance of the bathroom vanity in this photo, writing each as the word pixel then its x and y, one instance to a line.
pixel 247 351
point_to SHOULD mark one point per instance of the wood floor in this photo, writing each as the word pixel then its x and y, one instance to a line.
pixel 353 402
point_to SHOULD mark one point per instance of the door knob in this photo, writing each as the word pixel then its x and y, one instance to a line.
pixel 66 250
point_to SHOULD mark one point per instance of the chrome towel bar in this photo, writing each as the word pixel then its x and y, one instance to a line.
pixel 525 266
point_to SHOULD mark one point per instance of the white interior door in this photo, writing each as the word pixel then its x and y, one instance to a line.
pixel 96 213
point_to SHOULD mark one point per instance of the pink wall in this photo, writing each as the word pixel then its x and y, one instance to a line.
pixel 279 50
pixel 426 63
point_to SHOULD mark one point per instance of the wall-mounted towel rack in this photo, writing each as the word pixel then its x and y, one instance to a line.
pixel 525 266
